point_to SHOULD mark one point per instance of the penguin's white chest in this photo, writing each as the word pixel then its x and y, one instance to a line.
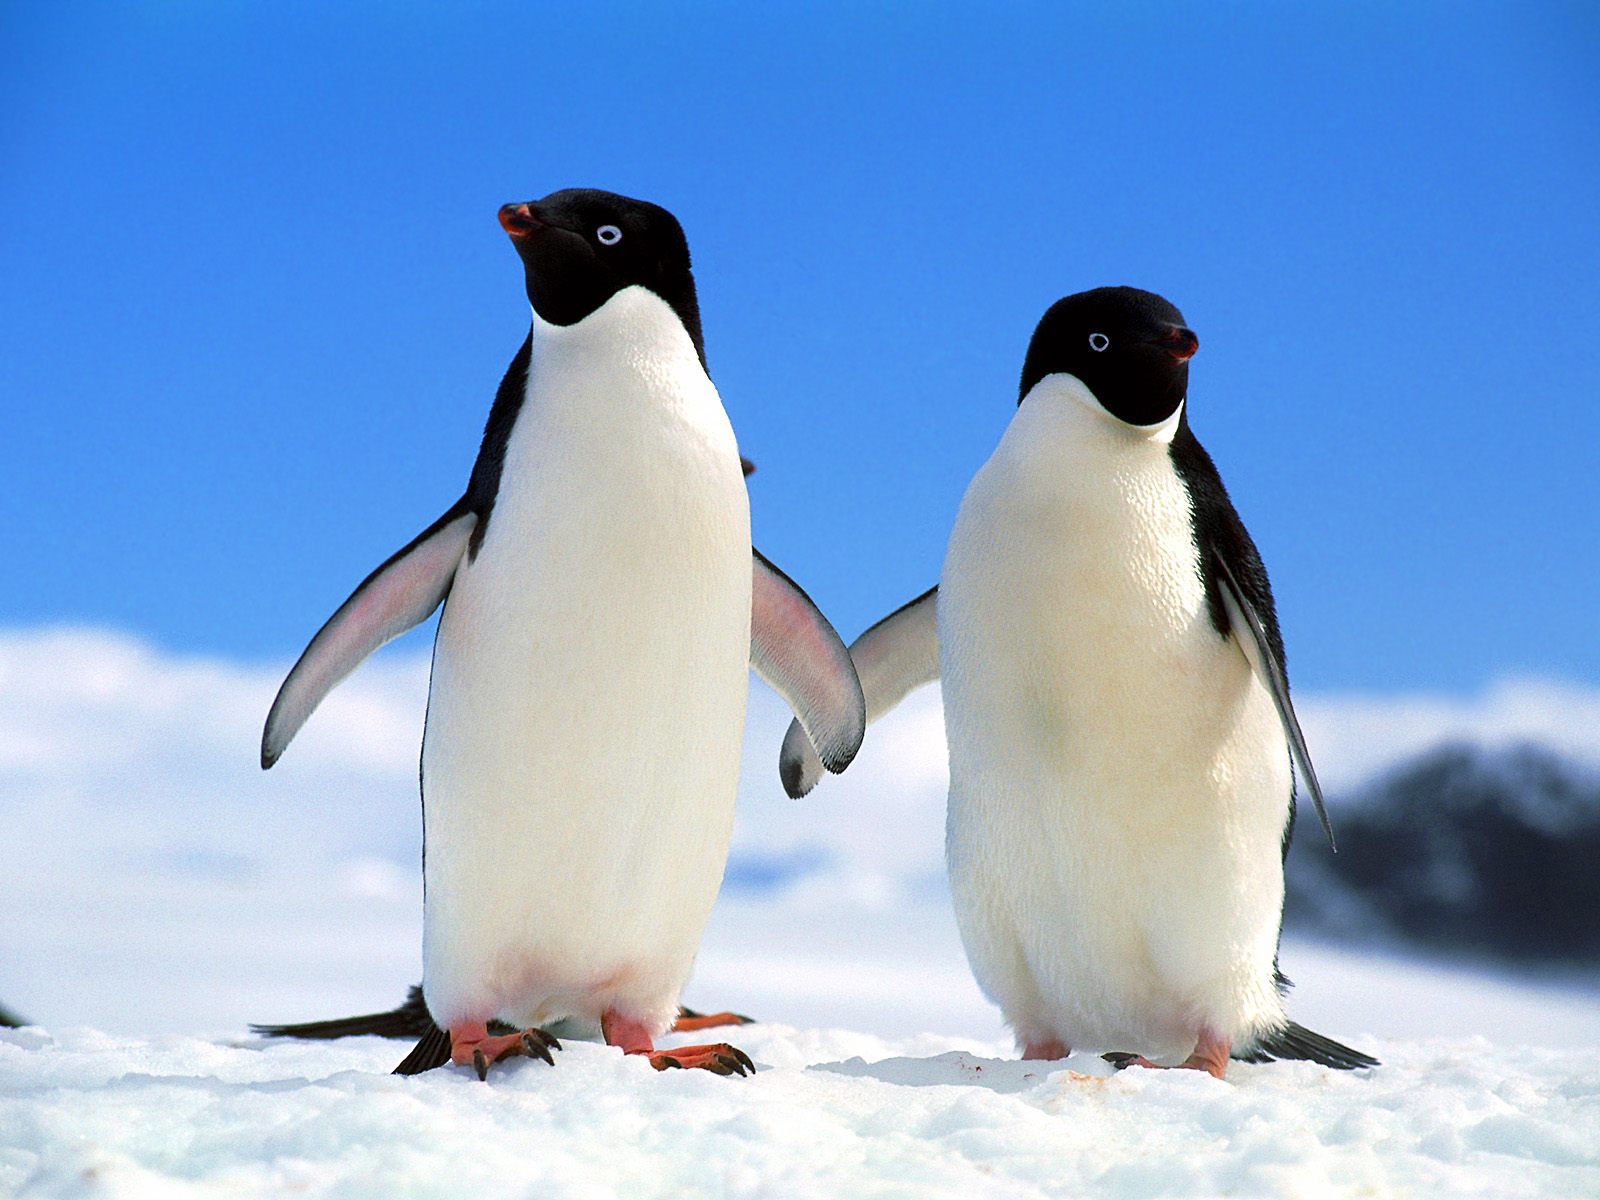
pixel 1119 779
pixel 588 692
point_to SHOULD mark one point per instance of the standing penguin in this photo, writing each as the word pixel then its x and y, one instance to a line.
pixel 411 1020
pixel 601 612
pixel 1118 718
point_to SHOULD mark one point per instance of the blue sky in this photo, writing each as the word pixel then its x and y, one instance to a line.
pixel 257 301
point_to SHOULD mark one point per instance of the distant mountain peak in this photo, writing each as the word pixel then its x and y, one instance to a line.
pixel 1470 849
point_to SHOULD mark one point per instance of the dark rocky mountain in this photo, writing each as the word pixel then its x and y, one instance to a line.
pixel 1485 854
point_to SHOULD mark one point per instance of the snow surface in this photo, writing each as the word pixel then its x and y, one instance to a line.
pixel 158 886
pixel 828 1114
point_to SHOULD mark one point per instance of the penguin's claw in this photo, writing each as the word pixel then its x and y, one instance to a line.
pixel 533 1043
pixel 719 1058
pixel 690 1021
pixel 480 1050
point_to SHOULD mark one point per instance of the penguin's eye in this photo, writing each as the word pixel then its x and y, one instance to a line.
pixel 608 235
pixel 1098 342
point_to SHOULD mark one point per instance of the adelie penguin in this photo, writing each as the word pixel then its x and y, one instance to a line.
pixel 602 609
pixel 1122 745
pixel 411 1019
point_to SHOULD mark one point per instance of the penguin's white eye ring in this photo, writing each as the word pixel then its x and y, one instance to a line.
pixel 1098 342
pixel 608 235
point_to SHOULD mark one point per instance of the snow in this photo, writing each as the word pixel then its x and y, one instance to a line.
pixel 828 1114
pixel 160 892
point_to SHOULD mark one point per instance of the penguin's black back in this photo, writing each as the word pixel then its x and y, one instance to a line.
pixel 1219 532
pixel 484 484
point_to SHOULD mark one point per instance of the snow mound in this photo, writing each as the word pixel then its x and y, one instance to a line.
pixel 829 1114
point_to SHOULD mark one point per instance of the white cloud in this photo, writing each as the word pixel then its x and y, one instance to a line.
pixel 1354 736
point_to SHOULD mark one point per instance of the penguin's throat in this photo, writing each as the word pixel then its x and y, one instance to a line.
pixel 1082 408
pixel 634 326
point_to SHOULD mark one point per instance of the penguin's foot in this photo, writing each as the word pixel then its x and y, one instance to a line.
pixel 633 1037
pixel 718 1057
pixel 1046 1051
pixel 1210 1055
pixel 472 1044
pixel 690 1021
pixel 1121 1061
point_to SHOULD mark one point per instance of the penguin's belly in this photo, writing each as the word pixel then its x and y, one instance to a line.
pixel 582 748
pixel 1119 779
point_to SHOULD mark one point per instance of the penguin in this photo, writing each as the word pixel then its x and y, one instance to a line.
pixel 411 1020
pixel 602 607
pixel 1122 743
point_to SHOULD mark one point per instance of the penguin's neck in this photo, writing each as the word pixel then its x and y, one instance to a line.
pixel 634 340
pixel 1065 406
pixel 617 405
pixel 1063 448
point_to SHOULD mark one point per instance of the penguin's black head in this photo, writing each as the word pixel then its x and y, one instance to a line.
pixel 1130 348
pixel 580 247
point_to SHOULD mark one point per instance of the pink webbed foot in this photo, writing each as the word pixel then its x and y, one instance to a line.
pixel 1210 1055
pixel 473 1045
pixel 717 1057
pixel 690 1021
pixel 632 1037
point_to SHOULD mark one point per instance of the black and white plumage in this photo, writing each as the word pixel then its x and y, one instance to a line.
pixel 602 609
pixel 1117 710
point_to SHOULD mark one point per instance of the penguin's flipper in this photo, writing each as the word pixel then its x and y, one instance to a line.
pixel 399 594
pixel 894 657
pixel 1297 1042
pixel 796 650
pixel 1251 636
pixel 9 1020
pixel 410 1020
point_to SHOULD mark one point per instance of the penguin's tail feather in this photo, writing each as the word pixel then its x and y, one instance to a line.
pixel 410 1020
pixel 10 1020
pixel 1297 1042
pixel 433 1050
